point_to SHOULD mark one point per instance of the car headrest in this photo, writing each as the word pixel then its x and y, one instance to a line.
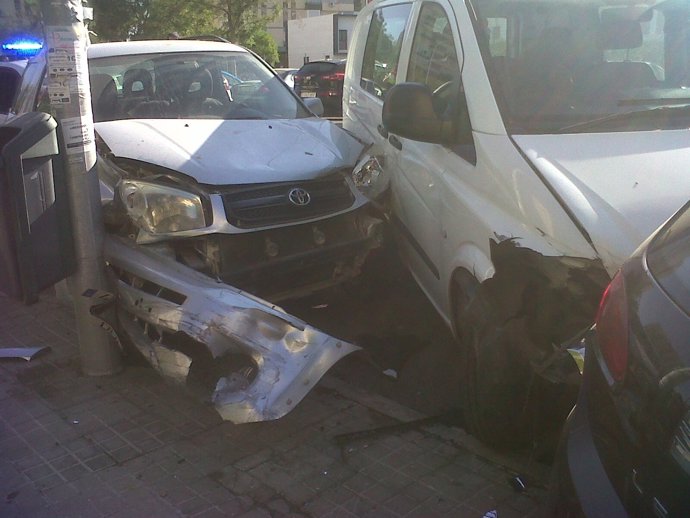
pixel 137 82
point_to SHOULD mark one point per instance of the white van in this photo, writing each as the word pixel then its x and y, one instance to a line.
pixel 530 147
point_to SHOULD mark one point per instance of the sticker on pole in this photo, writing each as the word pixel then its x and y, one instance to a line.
pixel 76 134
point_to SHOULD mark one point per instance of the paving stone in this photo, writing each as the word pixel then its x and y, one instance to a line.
pixel 144 448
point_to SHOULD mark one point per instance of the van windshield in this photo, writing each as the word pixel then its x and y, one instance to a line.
pixel 587 65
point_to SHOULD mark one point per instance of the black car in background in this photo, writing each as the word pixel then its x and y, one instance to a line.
pixel 322 79
pixel 625 450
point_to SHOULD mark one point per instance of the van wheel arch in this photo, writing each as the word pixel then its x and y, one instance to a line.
pixel 496 386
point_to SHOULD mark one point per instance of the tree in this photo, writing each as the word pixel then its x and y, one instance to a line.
pixel 151 19
pixel 239 21
pixel 264 45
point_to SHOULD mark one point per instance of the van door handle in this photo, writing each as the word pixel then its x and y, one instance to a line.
pixel 382 130
pixel 395 142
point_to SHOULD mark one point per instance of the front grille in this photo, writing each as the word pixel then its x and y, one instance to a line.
pixel 262 205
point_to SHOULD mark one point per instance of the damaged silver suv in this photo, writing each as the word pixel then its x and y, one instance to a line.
pixel 218 180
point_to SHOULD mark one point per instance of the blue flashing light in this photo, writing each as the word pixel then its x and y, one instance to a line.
pixel 24 48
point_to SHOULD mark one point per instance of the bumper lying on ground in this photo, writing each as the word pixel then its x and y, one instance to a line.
pixel 159 299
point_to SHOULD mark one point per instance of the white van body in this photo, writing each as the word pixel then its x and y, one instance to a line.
pixel 567 145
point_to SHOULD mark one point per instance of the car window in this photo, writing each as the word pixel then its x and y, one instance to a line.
pixel 382 49
pixel 317 68
pixel 27 98
pixel 556 65
pixel 220 85
pixel 433 60
pixel 9 80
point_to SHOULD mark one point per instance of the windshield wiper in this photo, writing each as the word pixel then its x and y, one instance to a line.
pixel 629 116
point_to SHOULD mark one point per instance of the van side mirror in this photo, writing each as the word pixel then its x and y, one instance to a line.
pixel 408 111
pixel 36 245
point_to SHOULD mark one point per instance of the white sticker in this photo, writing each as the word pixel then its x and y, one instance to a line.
pixel 76 134
pixel 58 92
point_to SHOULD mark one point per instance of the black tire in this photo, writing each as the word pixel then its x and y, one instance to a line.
pixel 497 379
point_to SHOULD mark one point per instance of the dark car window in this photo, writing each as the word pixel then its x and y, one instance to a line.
pixel 9 80
pixel 317 68
pixel 668 258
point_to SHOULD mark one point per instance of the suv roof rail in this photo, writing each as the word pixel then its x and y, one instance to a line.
pixel 206 37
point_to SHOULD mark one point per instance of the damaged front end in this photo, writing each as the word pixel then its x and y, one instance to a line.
pixel 184 322
pixel 521 380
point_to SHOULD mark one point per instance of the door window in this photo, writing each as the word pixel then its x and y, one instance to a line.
pixel 382 50
pixel 433 60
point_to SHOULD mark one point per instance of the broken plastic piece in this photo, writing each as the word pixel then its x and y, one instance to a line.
pixel 23 353
pixel 391 373
pixel 491 514
pixel 518 484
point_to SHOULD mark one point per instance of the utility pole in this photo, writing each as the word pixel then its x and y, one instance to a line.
pixel 66 39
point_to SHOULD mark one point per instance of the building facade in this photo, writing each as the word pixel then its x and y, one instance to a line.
pixel 291 10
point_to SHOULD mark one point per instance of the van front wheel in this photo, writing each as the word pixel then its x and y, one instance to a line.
pixel 497 378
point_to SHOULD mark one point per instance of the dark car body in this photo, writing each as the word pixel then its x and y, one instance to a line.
pixel 322 79
pixel 625 450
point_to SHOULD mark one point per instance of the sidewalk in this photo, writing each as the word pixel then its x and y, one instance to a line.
pixel 134 446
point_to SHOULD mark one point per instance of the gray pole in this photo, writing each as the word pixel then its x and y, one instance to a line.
pixel 70 98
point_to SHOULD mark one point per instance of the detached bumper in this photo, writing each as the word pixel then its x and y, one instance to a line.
pixel 159 298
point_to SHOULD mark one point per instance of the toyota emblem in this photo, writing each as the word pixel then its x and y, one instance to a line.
pixel 299 197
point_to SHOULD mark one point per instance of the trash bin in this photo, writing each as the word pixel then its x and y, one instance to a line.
pixel 36 245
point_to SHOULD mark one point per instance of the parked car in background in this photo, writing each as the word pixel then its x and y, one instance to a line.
pixel 625 449
pixel 219 184
pixel 322 79
pixel 530 147
pixel 287 75
pixel 10 78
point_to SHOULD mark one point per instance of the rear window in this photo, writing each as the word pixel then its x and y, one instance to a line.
pixel 317 68
pixel 668 258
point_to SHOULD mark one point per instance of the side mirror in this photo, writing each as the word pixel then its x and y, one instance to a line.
pixel 36 245
pixel 408 111
pixel 315 105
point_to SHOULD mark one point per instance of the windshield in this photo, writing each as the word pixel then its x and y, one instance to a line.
pixel 198 85
pixel 563 65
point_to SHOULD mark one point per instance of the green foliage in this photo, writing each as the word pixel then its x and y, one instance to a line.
pixel 239 21
pixel 264 45
pixel 151 19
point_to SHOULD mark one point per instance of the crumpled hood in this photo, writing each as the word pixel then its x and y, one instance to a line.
pixel 225 152
pixel 620 186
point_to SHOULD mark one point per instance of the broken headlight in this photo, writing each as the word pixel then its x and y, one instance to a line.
pixel 161 209
pixel 366 174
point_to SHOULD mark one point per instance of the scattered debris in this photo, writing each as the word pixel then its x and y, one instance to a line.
pixel 23 353
pixel 518 484
pixel 391 373
pixel 491 514
pixel 320 306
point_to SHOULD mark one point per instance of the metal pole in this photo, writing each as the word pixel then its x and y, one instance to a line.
pixel 69 92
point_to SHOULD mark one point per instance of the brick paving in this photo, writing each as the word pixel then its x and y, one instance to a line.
pixel 132 445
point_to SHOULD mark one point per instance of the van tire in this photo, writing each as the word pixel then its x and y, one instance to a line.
pixel 497 381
